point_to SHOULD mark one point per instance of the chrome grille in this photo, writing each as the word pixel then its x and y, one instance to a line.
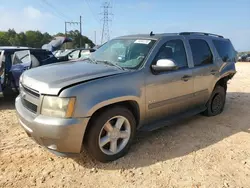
pixel 30 106
pixel 31 91
pixel 30 98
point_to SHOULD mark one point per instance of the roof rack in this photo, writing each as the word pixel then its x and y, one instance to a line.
pixel 200 33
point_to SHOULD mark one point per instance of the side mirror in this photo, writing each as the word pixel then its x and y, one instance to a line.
pixel 164 65
pixel 92 50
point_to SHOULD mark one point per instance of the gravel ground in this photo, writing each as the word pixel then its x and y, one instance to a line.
pixel 197 152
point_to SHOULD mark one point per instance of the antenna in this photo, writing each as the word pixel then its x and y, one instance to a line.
pixel 106 19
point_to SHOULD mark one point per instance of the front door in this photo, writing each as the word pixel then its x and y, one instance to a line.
pixel 169 93
pixel 21 61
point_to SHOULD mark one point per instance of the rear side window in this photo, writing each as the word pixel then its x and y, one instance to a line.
pixel 225 50
pixel 201 52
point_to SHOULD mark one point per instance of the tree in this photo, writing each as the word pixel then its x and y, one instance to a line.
pixel 36 39
pixel 22 39
pixel 75 35
pixel 46 38
pixel 4 39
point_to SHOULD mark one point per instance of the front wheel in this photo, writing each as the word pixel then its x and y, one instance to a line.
pixel 216 103
pixel 110 134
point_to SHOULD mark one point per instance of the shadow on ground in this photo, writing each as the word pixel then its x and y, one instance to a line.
pixel 189 135
pixel 7 103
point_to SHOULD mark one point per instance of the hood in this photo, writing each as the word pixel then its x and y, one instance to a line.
pixel 50 79
pixel 56 43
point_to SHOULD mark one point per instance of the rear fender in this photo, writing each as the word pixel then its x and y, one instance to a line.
pixel 1 90
pixel 227 69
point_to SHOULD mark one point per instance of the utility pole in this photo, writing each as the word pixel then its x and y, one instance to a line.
pixel 80 30
pixel 65 27
pixel 95 37
pixel 106 19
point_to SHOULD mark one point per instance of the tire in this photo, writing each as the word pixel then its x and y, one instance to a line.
pixel 100 129
pixel 216 103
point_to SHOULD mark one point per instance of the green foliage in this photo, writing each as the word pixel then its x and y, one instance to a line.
pixel 36 39
pixel 75 35
pixel 243 53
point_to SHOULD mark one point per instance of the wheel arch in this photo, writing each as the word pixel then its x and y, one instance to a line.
pixel 132 105
pixel 222 81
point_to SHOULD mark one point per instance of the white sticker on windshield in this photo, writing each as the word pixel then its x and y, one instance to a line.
pixel 142 41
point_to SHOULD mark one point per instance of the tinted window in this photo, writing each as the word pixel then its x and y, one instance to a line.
pixel 175 50
pixel 202 54
pixel 225 50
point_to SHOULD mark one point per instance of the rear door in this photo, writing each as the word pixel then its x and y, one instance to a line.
pixel 205 70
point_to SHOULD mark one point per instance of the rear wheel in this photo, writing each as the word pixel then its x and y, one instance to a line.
pixel 216 102
pixel 111 134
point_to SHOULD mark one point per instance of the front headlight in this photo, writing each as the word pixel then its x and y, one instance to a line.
pixel 58 107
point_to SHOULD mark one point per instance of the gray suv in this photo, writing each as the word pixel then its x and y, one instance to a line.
pixel 139 82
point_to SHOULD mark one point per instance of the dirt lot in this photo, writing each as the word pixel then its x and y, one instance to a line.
pixel 198 152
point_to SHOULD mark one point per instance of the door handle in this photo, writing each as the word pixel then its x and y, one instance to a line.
pixel 213 72
pixel 186 78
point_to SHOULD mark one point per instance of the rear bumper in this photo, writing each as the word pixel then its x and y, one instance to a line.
pixel 62 136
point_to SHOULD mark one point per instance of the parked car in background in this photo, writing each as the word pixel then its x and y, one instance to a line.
pixel 57 52
pixel 129 83
pixel 56 43
pixel 15 60
pixel 248 58
pixel 74 54
pixel 244 58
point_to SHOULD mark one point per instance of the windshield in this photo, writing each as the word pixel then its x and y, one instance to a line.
pixel 126 53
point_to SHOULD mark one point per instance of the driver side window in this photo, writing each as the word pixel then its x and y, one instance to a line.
pixel 174 50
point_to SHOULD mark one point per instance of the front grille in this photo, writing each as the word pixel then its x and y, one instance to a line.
pixel 30 106
pixel 31 91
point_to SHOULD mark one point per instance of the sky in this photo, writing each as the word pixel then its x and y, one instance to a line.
pixel 230 18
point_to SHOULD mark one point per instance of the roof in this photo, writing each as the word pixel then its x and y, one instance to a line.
pixel 18 48
pixel 148 36
pixel 161 35
pixel 13 47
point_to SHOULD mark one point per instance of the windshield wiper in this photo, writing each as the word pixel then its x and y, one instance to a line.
pixel 90 59
pixel 104 62
pixel 110 63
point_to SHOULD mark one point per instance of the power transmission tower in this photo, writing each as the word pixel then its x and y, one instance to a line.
pixel 74 23
pixel 106 19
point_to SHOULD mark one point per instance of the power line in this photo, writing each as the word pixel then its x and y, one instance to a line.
pixel 106 20
pixel 52 7
pixel 91 10
pixel 74 23
pixel 54 13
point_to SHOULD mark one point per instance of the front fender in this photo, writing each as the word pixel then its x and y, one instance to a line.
pixel 96 94
pixel 98 105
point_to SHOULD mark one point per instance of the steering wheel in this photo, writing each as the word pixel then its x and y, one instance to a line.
pixel 140 57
